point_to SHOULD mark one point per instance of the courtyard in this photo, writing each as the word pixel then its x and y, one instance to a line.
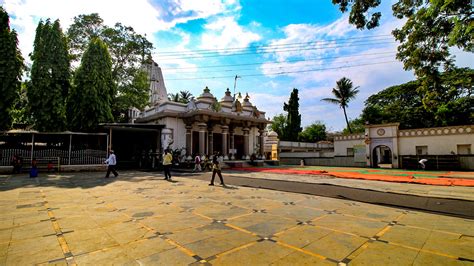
pixel 141 219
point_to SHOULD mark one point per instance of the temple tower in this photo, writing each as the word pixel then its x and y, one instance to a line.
pixel 158 93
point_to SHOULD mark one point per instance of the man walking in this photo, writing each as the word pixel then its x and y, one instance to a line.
pixel 111 162
pixel 167 161
pixel 216 169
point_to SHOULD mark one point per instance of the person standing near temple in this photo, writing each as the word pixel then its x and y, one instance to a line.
pixel 167 161
pixel 111 163
pixel 216 169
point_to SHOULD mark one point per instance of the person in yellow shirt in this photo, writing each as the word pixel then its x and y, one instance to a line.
pixel 216 169
pixel 167 161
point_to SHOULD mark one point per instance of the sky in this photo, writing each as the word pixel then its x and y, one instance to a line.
pixel 272 45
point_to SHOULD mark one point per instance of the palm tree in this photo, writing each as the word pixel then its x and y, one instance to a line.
pixel 185 96
pixel 344 93
pixel 174 97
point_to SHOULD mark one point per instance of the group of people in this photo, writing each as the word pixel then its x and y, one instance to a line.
pixel 167 163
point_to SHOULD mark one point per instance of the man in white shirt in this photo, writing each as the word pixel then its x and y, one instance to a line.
pixel 111 162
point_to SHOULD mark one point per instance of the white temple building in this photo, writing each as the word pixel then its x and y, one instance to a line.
pixel 232 126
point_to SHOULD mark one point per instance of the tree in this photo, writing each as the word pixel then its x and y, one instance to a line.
pixel 11 68
pixel 185 96
pixel 313 133
pixel 357 125
pixel 343 93
pixel 81 32
pixel 405 103
pixel 431 28
pixel 90 100
pixel 279 123
pixel 174 97
pixel 132 95
pixel 293 125
pixel 128 50
pixel 50 75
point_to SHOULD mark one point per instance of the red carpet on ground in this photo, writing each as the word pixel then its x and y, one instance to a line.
pixel 354 175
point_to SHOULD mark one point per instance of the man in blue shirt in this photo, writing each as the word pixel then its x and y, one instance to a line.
pixel 111 162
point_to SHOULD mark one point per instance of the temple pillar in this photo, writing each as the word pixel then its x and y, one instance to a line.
pixel 210 141
pixel 232 143
pixel 225 136
pixel 202 138
pixel 246 143
pixel 261 143
pixel 189 135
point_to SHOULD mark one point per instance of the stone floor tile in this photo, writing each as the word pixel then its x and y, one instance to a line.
pixel 146 247
pixel 354 225
pixel 109 256
pixel 34 250
pixel 296 212
pixel 211 246
pixel 168 257
pixel 271 226
pixel 439 222
pixel 335 245
pixel 451 244
pixel 260 253
pixel 5 235
pixel 430 259
pixel 385 254
pixel 32 230
pixel 299 258
pixel 408 236
pixel 303 235
pixel 85 241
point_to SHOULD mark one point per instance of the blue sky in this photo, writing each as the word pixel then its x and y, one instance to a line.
pixel 273 45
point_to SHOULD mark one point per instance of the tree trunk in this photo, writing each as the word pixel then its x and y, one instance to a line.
pixel 347 121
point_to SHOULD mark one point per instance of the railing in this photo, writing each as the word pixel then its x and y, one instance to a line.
pixel 70 148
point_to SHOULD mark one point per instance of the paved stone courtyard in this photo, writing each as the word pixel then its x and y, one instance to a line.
pixel 139 218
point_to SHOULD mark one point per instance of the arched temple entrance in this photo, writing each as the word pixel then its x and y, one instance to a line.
pixel 382 156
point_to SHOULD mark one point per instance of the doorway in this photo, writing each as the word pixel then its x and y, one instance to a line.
pixel 382 157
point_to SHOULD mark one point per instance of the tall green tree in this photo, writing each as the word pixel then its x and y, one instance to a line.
pixel 313 133
pixel 279 123
pixel 91 97
pixel 431 29
pixel 405 103
pixel 128 50
pixel 11 67
pixel 50 77
pixel 293 126
pixel 343 94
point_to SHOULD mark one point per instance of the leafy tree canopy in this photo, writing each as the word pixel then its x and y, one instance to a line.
pixel 128 51
pixel 11 68
pixel 279 123
pixel 406 103
pixel 181 97
pixel 313 133
pixel 431 28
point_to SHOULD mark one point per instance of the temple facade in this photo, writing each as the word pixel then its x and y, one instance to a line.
pixel 231 126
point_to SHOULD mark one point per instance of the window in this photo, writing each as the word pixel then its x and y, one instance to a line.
pixel 421 150
pixel 350 152
pixel 464 149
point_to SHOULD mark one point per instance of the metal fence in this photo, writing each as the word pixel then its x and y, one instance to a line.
pixel 69 148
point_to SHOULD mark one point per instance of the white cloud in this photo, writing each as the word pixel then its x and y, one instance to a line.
pixel 146 17
pixel 225 32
